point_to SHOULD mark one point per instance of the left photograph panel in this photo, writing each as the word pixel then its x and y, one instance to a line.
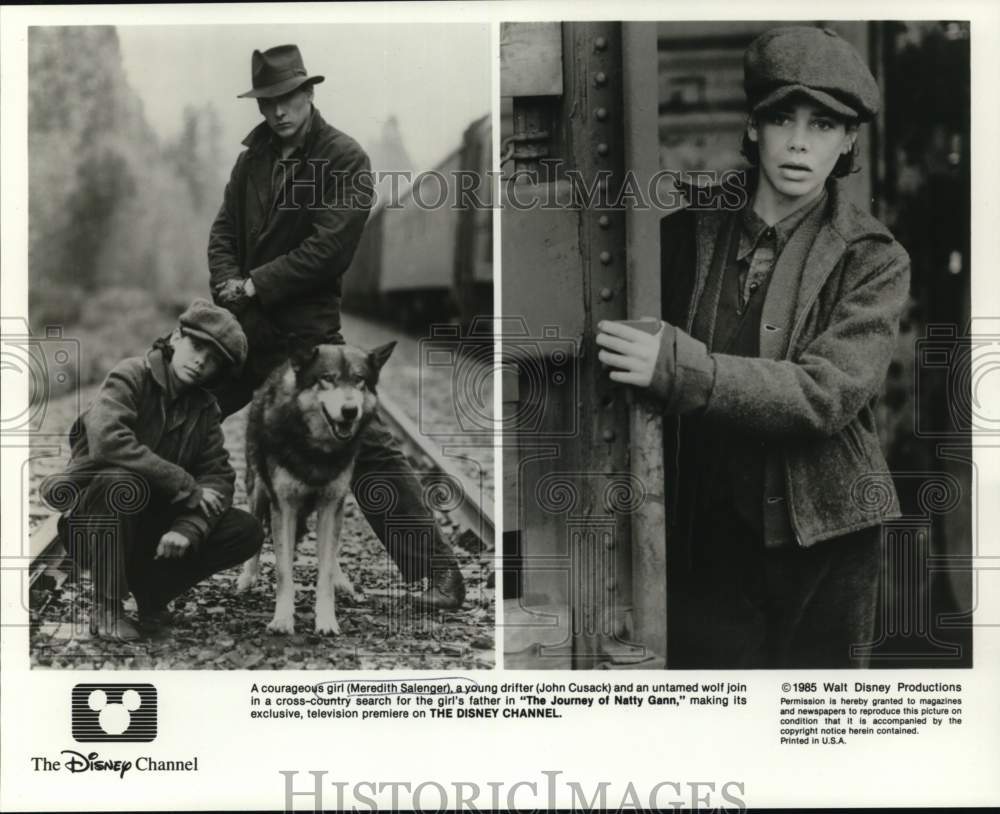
pixel 259 347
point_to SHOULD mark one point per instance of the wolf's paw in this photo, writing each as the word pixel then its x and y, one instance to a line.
pixel 245 581
pixel 281 624
pixel 342 583
pixel 328 626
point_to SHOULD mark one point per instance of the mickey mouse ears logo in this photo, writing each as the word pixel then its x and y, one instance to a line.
pixel 114 712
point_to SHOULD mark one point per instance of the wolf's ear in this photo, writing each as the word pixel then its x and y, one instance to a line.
pixel 380 355
pixel 302 356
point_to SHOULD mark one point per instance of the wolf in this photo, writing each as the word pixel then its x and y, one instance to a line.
pixel 302 440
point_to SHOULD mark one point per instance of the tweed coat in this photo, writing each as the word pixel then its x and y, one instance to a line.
pixel 123 429
pixel 826 341
pixel 295 244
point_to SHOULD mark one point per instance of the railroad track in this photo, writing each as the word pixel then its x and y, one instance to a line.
pixel 472 514
pixel 216 628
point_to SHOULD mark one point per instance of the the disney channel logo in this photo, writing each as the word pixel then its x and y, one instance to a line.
pixel 116 713
pixel 79 763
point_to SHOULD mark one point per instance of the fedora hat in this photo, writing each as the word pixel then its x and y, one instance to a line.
pixel 277 71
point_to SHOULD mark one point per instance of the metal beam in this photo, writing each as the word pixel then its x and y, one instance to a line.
pixel 592 113
pixel 642 149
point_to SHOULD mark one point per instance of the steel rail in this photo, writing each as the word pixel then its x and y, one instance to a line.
pixel 48 554
pixel 473 512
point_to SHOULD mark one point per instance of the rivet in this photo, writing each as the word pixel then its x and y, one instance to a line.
pixel 606 294
pixel 609 435
pixel 601 43
pixel 605 258
pixel 600 78
pixel 604 221
pixel 601 114
pixel 602 149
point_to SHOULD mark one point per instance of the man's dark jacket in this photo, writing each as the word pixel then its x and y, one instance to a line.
pixel 826 340
pixel 294 245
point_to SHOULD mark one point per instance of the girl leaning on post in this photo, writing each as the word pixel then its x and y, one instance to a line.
pixel 148 490
pixel 780 320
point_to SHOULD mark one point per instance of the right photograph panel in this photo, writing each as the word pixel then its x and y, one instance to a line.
pixel 737 349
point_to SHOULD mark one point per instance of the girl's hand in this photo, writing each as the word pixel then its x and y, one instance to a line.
pixel 172 546
pixel 630 352
pixel 212 501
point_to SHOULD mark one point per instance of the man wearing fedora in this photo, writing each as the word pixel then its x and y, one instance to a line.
pixel 293 213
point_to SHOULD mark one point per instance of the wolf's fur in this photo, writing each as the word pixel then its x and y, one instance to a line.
pixel 302 440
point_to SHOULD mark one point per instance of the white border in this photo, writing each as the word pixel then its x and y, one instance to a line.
pixel 206 711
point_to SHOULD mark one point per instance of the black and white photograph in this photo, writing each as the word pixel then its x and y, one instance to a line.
pixel 509 406
pixel 736 303
pixel 244 241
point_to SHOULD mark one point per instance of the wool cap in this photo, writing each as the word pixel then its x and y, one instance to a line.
pixel 814 62
pixel 218 326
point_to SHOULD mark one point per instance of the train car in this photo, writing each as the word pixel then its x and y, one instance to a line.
pixel 426 254
pixel 593 107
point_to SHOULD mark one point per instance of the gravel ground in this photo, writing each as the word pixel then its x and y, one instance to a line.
pixel 216 629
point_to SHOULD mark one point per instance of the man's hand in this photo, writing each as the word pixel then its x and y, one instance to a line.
pixel 173 545
pixel 631 352
pixel 233 293
pixel 212 502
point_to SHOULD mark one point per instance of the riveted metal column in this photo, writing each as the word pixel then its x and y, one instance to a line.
pixel 642 157
pixel 595 135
